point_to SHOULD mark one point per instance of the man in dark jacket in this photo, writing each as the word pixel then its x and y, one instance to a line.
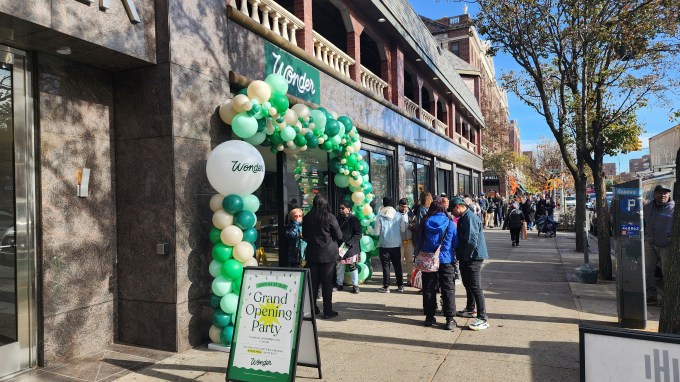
pixel 529 209
pixel 471 252
pixel 658 218
pixel 515 221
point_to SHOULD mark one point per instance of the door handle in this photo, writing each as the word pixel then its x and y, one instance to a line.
pixel 8 246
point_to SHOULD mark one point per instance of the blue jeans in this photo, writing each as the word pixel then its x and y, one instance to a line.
pixel 340 274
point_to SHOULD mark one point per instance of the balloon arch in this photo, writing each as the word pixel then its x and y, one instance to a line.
pixel 261 116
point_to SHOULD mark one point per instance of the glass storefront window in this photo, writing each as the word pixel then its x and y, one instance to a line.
pixel 443 180
pixel 267 215
pixel 381 175
pixel 410 177
pixel 307 176
pixel 423 178
pixel 464 184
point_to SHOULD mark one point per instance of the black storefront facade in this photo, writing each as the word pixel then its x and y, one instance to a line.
pixel 128 92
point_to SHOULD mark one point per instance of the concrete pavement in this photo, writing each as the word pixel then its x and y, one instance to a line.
pixel 534 311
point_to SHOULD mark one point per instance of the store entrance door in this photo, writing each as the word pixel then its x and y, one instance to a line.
pixel 17 212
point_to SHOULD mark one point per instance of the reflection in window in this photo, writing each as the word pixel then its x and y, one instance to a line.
pixel 423 178
pixel 381 175
pixel 411 190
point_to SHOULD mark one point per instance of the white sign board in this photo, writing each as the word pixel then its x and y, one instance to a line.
pixel 271 327
pixel 620 355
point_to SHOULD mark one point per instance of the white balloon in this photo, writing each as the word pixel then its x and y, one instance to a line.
pixel 222 219
pixel 216 202
pixel 214 334
pixel 291 117
pixel 227 112
pixel 366 209
pixel 357 146
pixel 356 181
pixel 301 110
pixel 231 235
pixel 358 197
pixel 251 263
pixel 241 103
pixel 243 251
pixel 260 91
pixel 235 167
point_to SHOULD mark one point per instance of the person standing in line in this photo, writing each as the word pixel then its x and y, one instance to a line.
pixel 529 209
pixel 419 213
pixel 321 231
pixel 388 229
pixel 658 220
pixel 351 233
pixel 294 243
pixel 503 210
pixel 541 206
pixel 471 252
pixel 491 211
pixel 515 221
pixel 407 219
pixel 484 205
pixel 439 231
pixel 550 206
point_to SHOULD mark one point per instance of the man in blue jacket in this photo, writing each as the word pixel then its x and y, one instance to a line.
pixel 658 220
pixel 388 228
pixel 471 252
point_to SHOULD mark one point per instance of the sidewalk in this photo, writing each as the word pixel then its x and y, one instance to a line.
pixel 534 311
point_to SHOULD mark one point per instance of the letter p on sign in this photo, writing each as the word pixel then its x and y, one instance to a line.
pixel 631 204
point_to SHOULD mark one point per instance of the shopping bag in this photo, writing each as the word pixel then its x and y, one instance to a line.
pixel 417 279
pixel 342 250
pixel 350 260
pixel 524 230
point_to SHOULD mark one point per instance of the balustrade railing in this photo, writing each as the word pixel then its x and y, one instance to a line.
pixel 426 117
pixel 331 55
pixel 372 82
pixel 411 107
pixel 274 17
pixel 456 137
pixel 441 126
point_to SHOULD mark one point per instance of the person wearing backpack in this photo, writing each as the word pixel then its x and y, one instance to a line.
pixel 515 221
pixel 529 211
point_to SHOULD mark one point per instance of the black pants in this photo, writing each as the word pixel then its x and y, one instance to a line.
pixel 514 234
pixel 387 256
pixel 471 273
pixel 324 274
pixel 445 279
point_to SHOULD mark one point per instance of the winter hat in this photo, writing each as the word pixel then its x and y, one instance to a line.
pixel 388 202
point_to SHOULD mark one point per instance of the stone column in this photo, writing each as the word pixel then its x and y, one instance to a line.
pixel 419 98
pixel 303 11
pixel 396 77
pixel 354 48
pixel 451 119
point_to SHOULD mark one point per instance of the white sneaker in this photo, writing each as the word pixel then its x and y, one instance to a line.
pixel 479 324
pixel 384 290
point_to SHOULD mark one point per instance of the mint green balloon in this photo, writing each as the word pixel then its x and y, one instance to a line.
pixel 232 269
pixel 288 134
pixel 363 271
pixel 257 139
pixel 215 268
pixel 221 286
pixel 251 203
pixel 277 83
pixel 243 125
pixel 341 180
pixel 319 119
pixel 229 303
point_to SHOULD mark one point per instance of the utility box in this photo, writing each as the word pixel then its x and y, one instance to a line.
pixel 628 230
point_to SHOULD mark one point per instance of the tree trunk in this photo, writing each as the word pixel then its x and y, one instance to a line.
pixel 670 310
pixel 603 237
pixel 580 186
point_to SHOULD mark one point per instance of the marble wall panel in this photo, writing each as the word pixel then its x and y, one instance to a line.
pixel 111 28
pixel 198 36
pixel 195 99
pixel 246 51
pixel 37 12
pixel 145 210
pixel 77 332
pixel 193 218
pixel 78 234
pixel 148 324
pixel 193 321
pixel 142 98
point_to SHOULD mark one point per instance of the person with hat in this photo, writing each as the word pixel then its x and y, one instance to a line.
pixel 407 218
pixel 471 252
pixel 388 229
pixel 658 221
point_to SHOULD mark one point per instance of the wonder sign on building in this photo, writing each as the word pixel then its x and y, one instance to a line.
pixel 303 79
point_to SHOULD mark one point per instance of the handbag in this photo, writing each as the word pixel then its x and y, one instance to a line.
pixel 417 279
pixel 348 261
pixel 429 261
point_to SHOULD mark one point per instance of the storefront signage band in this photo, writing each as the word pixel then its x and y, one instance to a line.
pixel 303 79
pixel 128 4
pixel 275 327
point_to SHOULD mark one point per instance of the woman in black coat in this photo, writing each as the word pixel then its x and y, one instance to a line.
pixel 351 233
pixel 515 221
pixel 321 231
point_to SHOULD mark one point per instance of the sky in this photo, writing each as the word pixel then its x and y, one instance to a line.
pixel 532 125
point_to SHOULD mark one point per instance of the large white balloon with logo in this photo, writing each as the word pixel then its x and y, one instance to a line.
pixel 235 167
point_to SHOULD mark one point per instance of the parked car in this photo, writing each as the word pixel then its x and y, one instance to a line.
pixel 570 202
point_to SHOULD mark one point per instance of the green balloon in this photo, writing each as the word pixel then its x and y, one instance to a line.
pixel 232 203
pixel 215 235
pixel 243 91
pixel 232 269
pixel 288 134
pixel 363 271
pixel 274 150
pixel 215 268
pixel 261 124
pixel 346 121
pixel 221 285
pixel 318 133
pixel 366 244
pixel 229 303
pixel 336 141
pixel 222 252
pixel 355 188
pixel 351 160
pixel 309 135
pixel 267 141
pixel 221 319
pixel 244 220
pixel 236 286
pixel 319 118
pixel 327 146
pixel 300 140
pixel 215 301
pixel 251 203
pixel 365 222
pixel 280 102
pixel 313 142
pixel 244 125
pixel 341 180
pixel 332 127
pixel 250 235
pixel 363 170
pixel 227 335
pixel 276 139
pixel 277 83
pixel 335 165
pixel 368 187
pixel 257 139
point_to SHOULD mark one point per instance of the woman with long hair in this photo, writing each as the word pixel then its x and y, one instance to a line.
pixel 351 233
pixel 321 231
pixel 439 231
pixel 294 243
